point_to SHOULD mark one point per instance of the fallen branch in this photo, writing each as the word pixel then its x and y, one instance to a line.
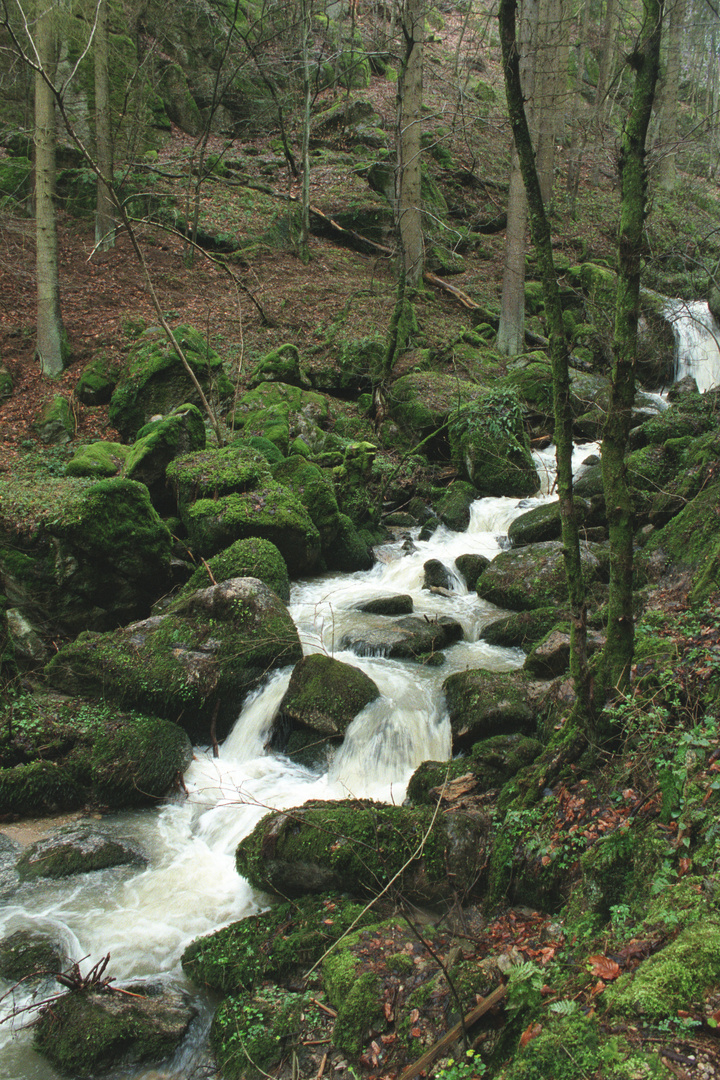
pixel 454 1034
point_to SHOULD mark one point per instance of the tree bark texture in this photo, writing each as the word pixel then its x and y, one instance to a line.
pixel 50 332
pixel 618 498
pixel 669 103
pixel 104 211
pixel 408 176
pixel 559 352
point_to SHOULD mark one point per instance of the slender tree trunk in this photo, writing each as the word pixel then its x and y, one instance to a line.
pixel 669 105
pixel 511 330
pixel 104 212
pixel 618 498
pixel 542 239
pixel 304 244
pixel 603 83
pixel 577 142
pixel 408 176
pixel 50 331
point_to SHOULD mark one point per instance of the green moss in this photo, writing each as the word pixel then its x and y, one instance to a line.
pixel 278 945
pixel 252 557
pixel 214 473
pixel 523 629
pixel 490 446
pixel 490 764
pixel 157 443
pixel 25 955
pixel 97 381
pixel 99 459
pixel 251 1032
pixel 326 694
pixel 314 489
pixel 280 365
pixel 675 978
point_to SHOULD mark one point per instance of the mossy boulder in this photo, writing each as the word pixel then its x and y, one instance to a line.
pixel 80 553
pixel 482 703
pixel 281 412
pixel 56 423
pixel 530 378
pixel 489 764
pixel 491 447
pixel 542 523
pixel 280 365
pixel 349 551
pixel 323 698
pixel 691 542
pixel 228 495
pixel 522 629
pixel 453 505
pixel 28 955
pixel 98 459
pixel 550 657
pixel 314 489
pixel 277 945
pixel 87 1033
pixel 97 381
pixel 396 604
pixel 408 638
pixel 470 567
pixel 76 850
pixel 159 442
pixel 155 381
pixel 357 847
pixel 60 753
pixel 252 557
pixel 677 977
pixel 195 662
pixel 422 401
pixel 534 576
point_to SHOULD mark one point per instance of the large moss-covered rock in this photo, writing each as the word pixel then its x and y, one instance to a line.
pixel 97 381
pixel 251 1032
pixel 490 445
pixel 253 557
pixel 280 365
pixel 61 753
pixel 160 441
pixel 490 763
pixel 522 629
pixel 453 505
pixel 156 381
pixel 357 847
pixel 281 413
pixel 194 663
pixel 324 696
pixel 278 945
pixel 485 703
pixel 691 542
pixel 408 638
pixel 542 523
pixel 80 553
pixel 78 849
pixel 99 459
pixel 30 956
pixel 87 1033
pixel 530 378
pixel 229 495
pixel 534 576
pixel 349 551
pixel 421 402
pixel 314 489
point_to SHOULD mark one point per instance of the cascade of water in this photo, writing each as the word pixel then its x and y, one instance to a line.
pixel 697 337
pixel 145 919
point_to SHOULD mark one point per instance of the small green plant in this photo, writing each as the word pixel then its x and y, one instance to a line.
pixel 466 1068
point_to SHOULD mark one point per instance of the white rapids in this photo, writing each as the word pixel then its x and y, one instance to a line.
pixel 697 342
pixel 190 886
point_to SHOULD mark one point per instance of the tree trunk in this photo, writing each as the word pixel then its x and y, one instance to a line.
pixel 618 499
pixel 408 176
pixel 559 353
pixel 603 83
pixel 669 104
pixel 304 245
pixel 511 331
pixel 105 211
pixel 50 333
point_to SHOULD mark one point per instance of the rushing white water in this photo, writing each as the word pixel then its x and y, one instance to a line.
pixel 145 919
pixel 697 337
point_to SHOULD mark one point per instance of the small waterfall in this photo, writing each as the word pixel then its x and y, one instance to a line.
pixel 190 886
pixel 697 341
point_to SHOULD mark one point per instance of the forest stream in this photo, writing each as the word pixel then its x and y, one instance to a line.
pixel 145 919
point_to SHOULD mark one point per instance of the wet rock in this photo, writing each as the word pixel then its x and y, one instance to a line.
pixel 30 955
pixel 408 638
pixel 436 575
pixel 534 576
pixel 9 852
pixel 76 850
pixel 349 551
pixel 490 446
pixel 91 1032
pixel 253 557
pixel 25 638
pixel 194 663
pixel 453 507
pixel 489 764
pixel 356 847
pixel 471 567
pixel 522 629
pixel 486 703
pixel 157 444
pixel 542 523
pixel 399 604
pixel 323 698
pixel 551 656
